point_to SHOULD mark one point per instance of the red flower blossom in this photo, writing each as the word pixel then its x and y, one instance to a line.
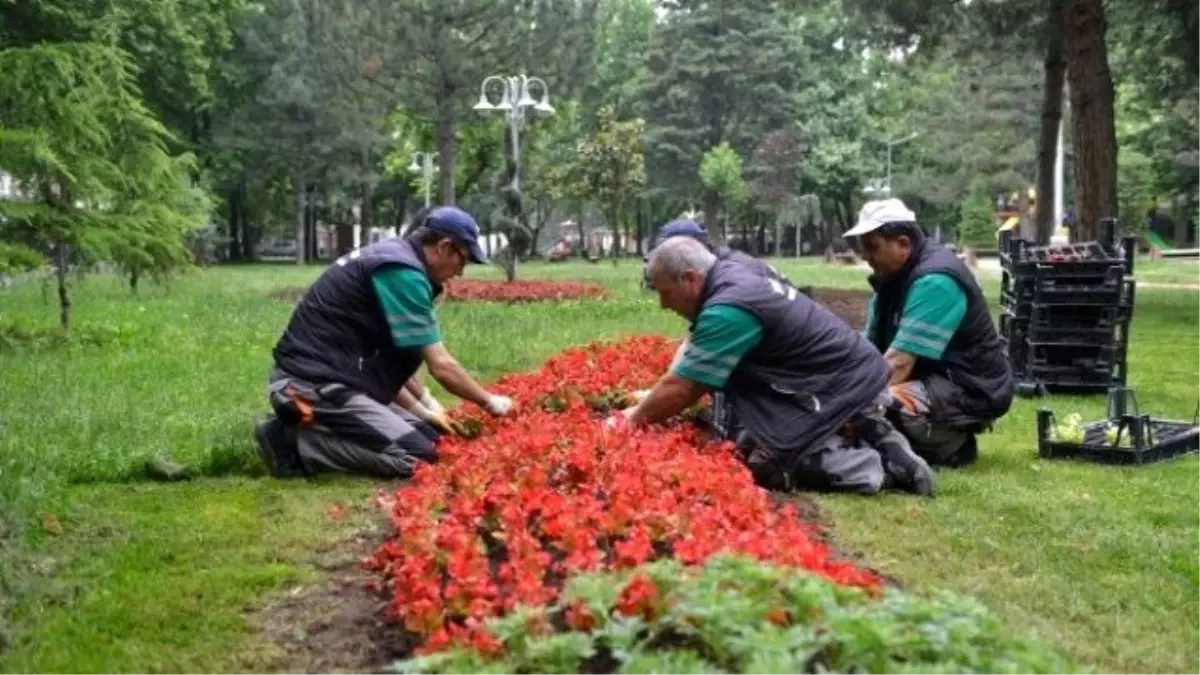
pixel 640 597
pixel 467 290
pixel 504 518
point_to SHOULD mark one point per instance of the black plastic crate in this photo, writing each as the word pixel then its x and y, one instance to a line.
pixel 1075 317
pixel 1134 438
pixel 1021 256
pixel 1042 380
pixel 1075 314
pixel 1084 358
pixel 1107 335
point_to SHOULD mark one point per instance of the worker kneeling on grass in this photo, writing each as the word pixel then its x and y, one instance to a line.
pixel 949 375
pixel 804 386
pixel 342 389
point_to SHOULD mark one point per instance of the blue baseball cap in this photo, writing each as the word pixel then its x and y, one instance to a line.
pixel 683 228
pixel 455 222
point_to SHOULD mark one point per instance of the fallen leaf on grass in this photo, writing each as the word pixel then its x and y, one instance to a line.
pixel 50 523
pixel 339 512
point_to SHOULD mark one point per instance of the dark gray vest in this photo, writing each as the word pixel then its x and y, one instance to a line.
pixel 338 331
pixel 974 363
pixel 810 374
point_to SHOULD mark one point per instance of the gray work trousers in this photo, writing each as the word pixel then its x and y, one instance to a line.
pixel 836 464
pixel 342 430
pixel 914 417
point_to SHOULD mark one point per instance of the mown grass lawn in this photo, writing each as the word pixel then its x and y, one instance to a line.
pixel 105 571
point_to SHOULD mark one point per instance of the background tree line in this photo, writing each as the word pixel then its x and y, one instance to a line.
pixel 140 131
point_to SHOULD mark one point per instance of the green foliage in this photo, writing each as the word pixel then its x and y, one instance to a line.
pixel 736 614
pixel 721 174
pixel 976 223
pixel 18 257
pixel 93 162
pixel 611 165
pixel 719 72
pixel 1139 188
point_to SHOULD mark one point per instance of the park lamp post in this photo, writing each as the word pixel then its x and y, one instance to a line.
pixel 516 98
pixel 877 186
pixel 423 163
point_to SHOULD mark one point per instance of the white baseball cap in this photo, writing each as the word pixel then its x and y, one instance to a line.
pixel 876 214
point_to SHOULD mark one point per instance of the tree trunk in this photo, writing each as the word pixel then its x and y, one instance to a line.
pixel 1091 89
pixel 301 218
pixel 580 208
pixel 62 267
pixel 312 238
pixel 235 234
pixel 447 142
pixel 1052 100
pixel 640 225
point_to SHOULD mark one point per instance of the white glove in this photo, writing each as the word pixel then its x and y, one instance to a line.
pixel 421 411
pixel 499 405
pixel 431 403
pixel 618 420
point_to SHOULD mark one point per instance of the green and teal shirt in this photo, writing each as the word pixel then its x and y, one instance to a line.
pixel 407 300
pixel 723 334
pixel 933 309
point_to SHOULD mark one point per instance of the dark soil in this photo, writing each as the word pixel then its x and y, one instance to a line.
pixel 335 625
pixel 850 306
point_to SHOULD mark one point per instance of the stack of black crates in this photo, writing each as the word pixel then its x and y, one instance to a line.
pixel 1066 312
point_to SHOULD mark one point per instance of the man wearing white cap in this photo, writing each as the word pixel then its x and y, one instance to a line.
pixel 950 378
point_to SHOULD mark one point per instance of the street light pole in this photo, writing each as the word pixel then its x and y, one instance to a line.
pixel 516 97
pixel 893 142
pixel 425 165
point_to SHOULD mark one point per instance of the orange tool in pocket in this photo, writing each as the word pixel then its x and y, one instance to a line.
pixel 303 406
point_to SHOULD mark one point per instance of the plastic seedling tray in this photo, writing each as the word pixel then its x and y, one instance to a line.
pixel 1139 439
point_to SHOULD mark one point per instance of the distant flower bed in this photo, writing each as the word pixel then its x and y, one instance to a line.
pixel 474 290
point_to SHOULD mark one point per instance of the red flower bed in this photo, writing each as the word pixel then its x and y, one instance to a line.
pixel 466 290
pixel 505 517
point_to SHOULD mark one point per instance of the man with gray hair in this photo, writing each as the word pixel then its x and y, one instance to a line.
pixel 804 385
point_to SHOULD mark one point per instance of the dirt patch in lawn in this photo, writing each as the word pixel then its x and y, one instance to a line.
pixel 334 625
pixel 850 306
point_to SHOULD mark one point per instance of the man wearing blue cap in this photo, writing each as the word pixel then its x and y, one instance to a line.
pixel 353 342
pixel 693 230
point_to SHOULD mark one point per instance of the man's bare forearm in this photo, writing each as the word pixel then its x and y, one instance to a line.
pixel 901 365
pixel 451 375
pixel 670 396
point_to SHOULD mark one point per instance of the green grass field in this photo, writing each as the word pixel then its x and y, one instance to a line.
pixel 103 570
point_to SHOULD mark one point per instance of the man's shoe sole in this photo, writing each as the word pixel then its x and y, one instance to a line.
pixel 922 479
pixel 272 455
pixel 265 451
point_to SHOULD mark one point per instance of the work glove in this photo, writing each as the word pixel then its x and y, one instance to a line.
pixel 437 420
pixel 618 420
pixel 445 425
pixel 431 403
pixel 499 405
